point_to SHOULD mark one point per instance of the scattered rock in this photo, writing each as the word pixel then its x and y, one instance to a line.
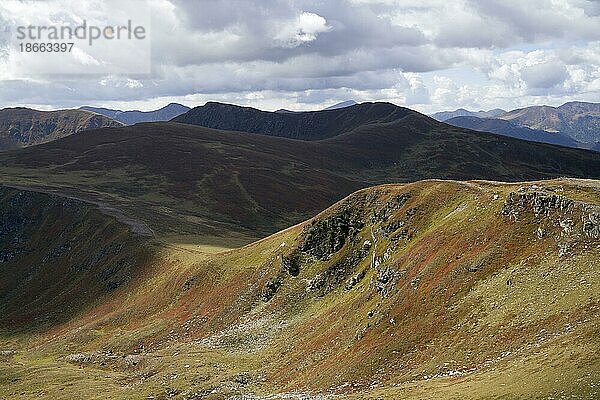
pixel 105 359
pixel 386 279
pixel 6 354
pixel 188 284
pixel 591 227
pixel 243 379
pixel 271 289
pixel 539 202
pixel 540 233
pixel 291 264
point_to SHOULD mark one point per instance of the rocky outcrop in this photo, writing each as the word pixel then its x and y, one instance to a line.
pixel 530 199
pixel 324 237
pixel 333 276
pixel 271 288
pixel 385 212
pixel 291 264
pixel 591 226
pixel 554 210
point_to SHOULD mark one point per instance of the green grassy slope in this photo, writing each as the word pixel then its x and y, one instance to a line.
pixel 436 289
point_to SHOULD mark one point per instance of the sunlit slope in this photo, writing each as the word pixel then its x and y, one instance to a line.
pixel 23 127
pixel 436 289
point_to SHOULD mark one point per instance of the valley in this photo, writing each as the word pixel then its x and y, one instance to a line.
pixel 195 184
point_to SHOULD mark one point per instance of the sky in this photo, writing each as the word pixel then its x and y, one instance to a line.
pixel 429 55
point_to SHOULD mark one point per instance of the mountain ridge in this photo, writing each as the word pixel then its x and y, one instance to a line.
pixel 309 125
pixel 443 116
pixel 23 127
pixel 579 120
pixel 224 182
pixel 450 289
pixel 131 117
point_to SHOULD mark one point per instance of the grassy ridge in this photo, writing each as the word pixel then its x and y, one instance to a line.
pixel 23 127
pixel 435 289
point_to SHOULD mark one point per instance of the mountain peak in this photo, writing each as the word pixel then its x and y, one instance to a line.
pixel 132 117
pixel 23 127
pixel 310 125
pixel 461 112
pixel 343 104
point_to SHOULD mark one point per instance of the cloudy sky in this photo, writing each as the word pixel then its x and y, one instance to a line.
pixel 429 55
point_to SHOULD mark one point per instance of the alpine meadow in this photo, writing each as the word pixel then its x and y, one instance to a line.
pixel 298 199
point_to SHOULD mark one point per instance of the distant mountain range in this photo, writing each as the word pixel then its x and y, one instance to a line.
pixel 580 121
pixel 22 127
pixel 507 128
pixel 166 113
pixel 461 112
pixel 575 124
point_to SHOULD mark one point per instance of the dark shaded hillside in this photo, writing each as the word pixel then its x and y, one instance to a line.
pixel 58 256
pixel 507 128
pixel 417 147
pixel 22 127
pixel 314 125
pixel 179 177
pixel 196 179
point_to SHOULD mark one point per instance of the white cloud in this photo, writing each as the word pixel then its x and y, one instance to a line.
pixel 429 54
pixel 304 29
pixel 544 75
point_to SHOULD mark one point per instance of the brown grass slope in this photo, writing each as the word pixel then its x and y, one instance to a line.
pixel 182 179
pixel 579 120
pixel 57 256
pixel 22 127
pixel 435 289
